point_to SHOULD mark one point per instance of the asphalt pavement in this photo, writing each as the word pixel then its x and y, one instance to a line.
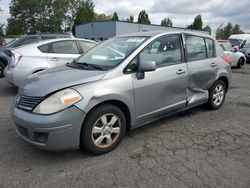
pixel 197 148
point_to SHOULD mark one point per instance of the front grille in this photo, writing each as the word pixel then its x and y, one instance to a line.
pixel 22 130
pixel 28 103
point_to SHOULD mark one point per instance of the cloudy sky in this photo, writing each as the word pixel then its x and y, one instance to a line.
pixel 182 12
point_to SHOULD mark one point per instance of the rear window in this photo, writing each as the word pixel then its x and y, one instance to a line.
pixel 196 48
pixel 210 48
pixel 199 48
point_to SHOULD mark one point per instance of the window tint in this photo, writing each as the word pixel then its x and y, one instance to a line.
pixel 48 37
pixel 26 40
pixel 164 51
pixel 196 48
pixel 210 48
pixel 64 47
pixel 44 48
pixel 86 46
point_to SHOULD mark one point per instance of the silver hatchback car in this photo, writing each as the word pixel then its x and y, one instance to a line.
pixel 121 84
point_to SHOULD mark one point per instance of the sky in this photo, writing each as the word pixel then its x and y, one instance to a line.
pixel 182 12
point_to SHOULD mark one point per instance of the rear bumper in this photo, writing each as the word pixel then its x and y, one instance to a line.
pixel 15 75
pixel 55 132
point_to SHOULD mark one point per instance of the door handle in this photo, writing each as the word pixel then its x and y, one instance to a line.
pixel 54 59
pixel 180 71
pixel 213 64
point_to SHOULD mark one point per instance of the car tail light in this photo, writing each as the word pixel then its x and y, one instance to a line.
pixel 228 59
pixel 16 57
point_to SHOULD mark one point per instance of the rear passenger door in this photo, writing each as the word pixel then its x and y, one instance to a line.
pixel 201 61
pixel 62 52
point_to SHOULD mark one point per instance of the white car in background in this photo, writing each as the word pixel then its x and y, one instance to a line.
pixel 32 58
pixel 238 58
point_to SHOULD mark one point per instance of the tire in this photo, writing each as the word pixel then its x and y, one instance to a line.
pixel 240 63
pixel 2 66
pixel 217 95
pixel 103 129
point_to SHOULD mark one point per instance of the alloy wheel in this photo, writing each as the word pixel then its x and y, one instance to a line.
pixel 106 130
pixel 218 95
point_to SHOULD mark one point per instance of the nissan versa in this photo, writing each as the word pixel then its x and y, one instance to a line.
pixel 121 84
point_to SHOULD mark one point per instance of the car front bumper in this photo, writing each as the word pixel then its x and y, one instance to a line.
pixel 55 132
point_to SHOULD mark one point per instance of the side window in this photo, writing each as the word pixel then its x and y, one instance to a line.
pixel 164 51
pixel 64 47
pixel 86 46
pixel 210 48
pixel 196 49
pixel 44 48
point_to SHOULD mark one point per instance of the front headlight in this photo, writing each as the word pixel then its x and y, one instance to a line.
pixel 58 101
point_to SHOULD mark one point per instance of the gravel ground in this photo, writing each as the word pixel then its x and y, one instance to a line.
pixel 197 148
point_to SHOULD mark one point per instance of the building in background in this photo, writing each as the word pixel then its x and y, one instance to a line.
pixel 102 30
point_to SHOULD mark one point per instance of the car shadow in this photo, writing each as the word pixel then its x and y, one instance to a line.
pixel 8 90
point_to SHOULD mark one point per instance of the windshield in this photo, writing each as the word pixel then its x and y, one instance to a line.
pixel 235 42
pixel 247 44
pixel 110 53
pixel 11 42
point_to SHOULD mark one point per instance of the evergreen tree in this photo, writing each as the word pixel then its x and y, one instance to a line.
pixel 115 17
pixel 143 17
pixel 167 22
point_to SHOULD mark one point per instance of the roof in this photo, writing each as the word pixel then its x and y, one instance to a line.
pixel 154 33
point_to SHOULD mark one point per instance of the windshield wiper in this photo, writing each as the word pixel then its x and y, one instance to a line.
pixel 91 65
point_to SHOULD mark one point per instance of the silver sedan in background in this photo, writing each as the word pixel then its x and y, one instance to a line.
pixel 36 57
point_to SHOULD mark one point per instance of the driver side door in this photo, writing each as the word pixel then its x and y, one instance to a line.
pixel 163 90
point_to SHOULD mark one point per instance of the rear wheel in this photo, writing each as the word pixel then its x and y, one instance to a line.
pixel 217 94
pixel 103 129
pixel 2 66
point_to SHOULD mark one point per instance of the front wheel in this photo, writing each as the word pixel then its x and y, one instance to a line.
pixel 103 129
pixel 217 94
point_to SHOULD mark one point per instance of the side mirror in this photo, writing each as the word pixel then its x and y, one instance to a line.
pixel 145 66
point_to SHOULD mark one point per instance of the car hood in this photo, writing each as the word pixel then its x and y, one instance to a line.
pixel 51 80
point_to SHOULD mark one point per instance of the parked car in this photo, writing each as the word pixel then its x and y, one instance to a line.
pixel 238 58
pixel 27 39
pixel 123 83
pixel 236 39
pixel 245 48
pixel 36 57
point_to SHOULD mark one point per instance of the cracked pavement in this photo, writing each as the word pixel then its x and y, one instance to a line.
pixel 196 148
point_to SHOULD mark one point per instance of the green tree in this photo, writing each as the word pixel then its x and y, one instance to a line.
pixel 208 29
pixel 43 15
pixel 143 17
pixel 1 29
pixel 130 19
pixel 15 27
pixel 228 30
pixel 102 17
pixel 237 29
pixel 197 23
pixel 167 22
pixel 115 17
pixel 85 14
